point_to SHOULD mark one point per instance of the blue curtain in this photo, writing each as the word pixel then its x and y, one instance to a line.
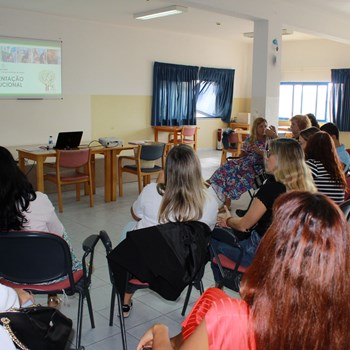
pixel 217 83
pixel 175 92
pixel 341 98
pixel 181 91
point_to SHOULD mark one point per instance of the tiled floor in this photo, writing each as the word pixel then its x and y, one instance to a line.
pixel 80 221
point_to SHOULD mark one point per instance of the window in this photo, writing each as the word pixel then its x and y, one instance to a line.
pixel 303 98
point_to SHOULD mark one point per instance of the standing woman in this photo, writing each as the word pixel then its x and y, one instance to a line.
pixel 21 208
pixel 285 161
pixel 326 168
pixel 237 176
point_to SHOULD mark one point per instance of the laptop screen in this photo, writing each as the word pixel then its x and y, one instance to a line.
pixel 68 140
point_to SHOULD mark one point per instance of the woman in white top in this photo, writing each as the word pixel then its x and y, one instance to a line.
pixel 182 196
pixel 21 208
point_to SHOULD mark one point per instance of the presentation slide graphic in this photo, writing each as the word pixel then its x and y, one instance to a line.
pixel 30 68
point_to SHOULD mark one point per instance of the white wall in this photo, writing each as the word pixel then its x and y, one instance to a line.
pixel 101 59
pixel 312 60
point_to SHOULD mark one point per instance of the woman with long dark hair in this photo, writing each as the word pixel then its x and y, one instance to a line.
pixel 21 208
pixel 325 165
pixel 294 296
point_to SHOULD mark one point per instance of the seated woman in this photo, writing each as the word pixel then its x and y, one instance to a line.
pixel 237 176
pixel 294 293
pixel 181 197
pixel 326 167
pixel 297 123
pixel 286 163
pixel 22 208
pixel 305 134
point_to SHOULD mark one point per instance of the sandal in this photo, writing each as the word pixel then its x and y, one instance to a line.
pixel 54 301
pixel 126 310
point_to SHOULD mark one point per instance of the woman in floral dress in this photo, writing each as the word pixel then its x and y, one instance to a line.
pixel 237 176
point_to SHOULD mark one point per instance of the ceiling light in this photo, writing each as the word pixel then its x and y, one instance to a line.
pixel 284 32
pixel 167 11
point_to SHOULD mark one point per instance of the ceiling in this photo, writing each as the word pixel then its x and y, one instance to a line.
pixel 202 18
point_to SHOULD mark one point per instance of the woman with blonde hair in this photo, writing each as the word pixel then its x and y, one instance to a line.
pixel 181 197
pixel 294 295
pixel 299 122
pixel 285 164
pixel 237 176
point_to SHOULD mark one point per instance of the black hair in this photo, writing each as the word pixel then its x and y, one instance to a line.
pixel 330 129
pixel 16 193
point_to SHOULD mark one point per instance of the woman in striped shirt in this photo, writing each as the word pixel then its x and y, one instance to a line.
pixel 326 168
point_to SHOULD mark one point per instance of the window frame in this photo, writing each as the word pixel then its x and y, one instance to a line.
pixel 303 84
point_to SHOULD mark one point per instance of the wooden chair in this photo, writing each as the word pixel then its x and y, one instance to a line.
pixel 72 167
pixel 188 136
pixel 235 139
pixel 144 153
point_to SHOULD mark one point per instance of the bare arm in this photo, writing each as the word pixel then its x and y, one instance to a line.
pixel 157 338
pixel 254 214
pixel 136 218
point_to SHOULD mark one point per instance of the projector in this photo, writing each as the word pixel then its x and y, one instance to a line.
pixel 110 141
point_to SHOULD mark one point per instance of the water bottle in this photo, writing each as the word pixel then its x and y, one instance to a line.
pixel 50 143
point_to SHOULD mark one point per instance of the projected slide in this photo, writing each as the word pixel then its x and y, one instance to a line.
pixel 30 68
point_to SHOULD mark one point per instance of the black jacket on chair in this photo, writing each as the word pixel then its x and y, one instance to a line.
pixel 166 256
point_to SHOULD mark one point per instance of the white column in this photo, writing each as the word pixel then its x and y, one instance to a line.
pixel 266 70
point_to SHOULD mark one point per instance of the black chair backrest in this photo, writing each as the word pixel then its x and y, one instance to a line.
pixel 152 152
pixel 30 257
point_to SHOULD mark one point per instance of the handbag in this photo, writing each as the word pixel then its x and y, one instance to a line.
pixel 37 327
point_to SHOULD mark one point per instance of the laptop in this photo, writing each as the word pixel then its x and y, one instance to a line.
pixel 68 140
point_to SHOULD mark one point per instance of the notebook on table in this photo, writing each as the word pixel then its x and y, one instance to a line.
pixel 68 140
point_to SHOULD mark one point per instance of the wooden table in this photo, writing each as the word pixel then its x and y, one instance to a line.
pixel 110 167
pixel 169 129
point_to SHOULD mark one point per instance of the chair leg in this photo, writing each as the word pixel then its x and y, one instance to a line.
pixel 111 311
pixel 77 192
pixel 223 157
pixel 188 294
pixel 122 323
pixel 139 178
pixel 89 304
pixel 59 195
pixel 120 181
pixel 79 320
pixel 91 194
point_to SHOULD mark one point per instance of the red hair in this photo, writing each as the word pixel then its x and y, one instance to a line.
pixel 298 286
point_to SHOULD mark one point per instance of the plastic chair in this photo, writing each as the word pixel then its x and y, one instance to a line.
pixel 234 146
pixel 117 292
pixel 42 263
pixel 188 136
pixel 231 272
pixel 72 160
pixel 148 152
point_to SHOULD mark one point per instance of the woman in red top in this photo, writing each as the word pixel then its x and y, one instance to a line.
pixel 295 294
